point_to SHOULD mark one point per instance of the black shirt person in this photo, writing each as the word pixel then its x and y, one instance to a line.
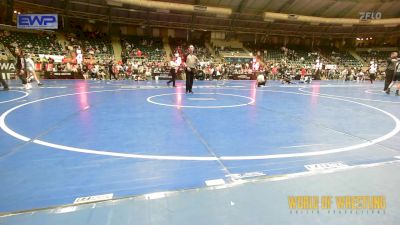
pixel 174 69
pixel 4 83
pixel 20 70
pixel 110 70
pixel 391 63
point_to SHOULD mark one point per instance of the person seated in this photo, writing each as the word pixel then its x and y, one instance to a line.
pixel 261 80
pixel 286 78
pixel 93 72
pixel 102 74
pixel 307 79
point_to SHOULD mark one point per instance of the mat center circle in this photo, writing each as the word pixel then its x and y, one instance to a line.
pixel 200 100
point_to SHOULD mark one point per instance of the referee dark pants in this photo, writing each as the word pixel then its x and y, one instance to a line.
pixel 22 76
pixel 371 77
pixel 388 79
pixel 172 72
pixel 189 79
pixel 112 74
pixel 3 82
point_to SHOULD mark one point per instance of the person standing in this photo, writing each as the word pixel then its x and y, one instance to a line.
pixel 396 80
pixel 391 63
pixel 20 68
pixel 191 64
pixel 318 68
pixel 373 69
pixel 111 69
pixel 4 83
pixel 174 69
pixel 30 70
pixel 303 72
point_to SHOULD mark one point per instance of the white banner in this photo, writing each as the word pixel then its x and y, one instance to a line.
pixel 57 58
pixel 331 67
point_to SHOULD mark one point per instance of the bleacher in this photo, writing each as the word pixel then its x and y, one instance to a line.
pixel 234 54
pixel 97 46
pixel 293 56
pixel 274 55
pixel 340 57
pixel 346 59
pixel 380 56
pixel 181 46
pixel 151 48
pixel 36 43
pixel 92 44
pixel 3 52
pixel 230 50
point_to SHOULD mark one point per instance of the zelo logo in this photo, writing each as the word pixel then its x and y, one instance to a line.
pixel 37 21
pixel 370 15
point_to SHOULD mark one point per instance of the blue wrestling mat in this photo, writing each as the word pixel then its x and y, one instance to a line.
pixel 73 138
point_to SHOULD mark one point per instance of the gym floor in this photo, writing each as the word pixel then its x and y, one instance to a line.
pixel 75 138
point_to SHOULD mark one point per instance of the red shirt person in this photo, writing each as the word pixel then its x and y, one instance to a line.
pixel 303 72
pixel 139 53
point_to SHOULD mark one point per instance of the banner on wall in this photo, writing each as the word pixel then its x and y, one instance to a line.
pixel 7 69
pixel 37 21
pixel 57 58
pixel 330 67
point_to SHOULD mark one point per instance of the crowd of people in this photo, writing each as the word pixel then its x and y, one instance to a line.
pixel 95 60
pixel 142 48
pixel 35 43
pixel 109 68
pixel 181 46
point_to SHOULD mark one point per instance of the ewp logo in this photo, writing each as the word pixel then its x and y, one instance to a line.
pixel 37 21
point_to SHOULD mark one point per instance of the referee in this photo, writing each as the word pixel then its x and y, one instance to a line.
pixel 20 68
pixel 191 64
pixel 174 69
pixel 391 63
pixel 4 83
